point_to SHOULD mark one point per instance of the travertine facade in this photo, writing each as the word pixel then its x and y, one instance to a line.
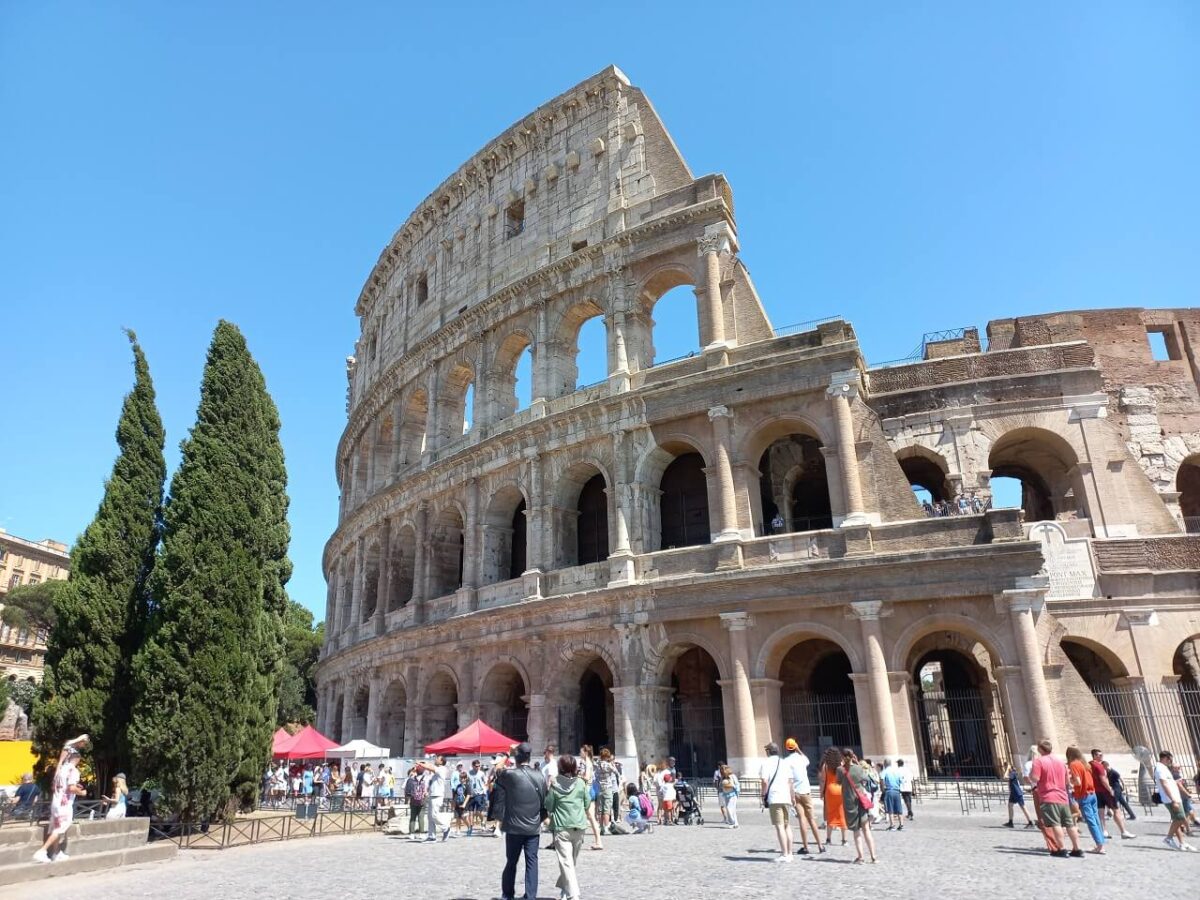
pixel 22 562
pixel 695 557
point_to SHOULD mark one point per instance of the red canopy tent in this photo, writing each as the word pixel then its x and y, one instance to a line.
pixel 477 737
pixel 280 741
pixel 307 743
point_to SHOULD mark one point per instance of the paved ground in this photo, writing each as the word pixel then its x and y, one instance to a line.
pixel 942 854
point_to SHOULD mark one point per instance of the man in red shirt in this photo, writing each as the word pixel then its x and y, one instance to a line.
pixel 1105 796
pixel 1049 779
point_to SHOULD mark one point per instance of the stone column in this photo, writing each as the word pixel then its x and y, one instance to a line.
pixel 383 586
pixel 374 701
pixel 618 379
pixel 355 489
pixel 357 582
pixel 348 692
pixel 542 363
pixel 868 613
pixel 717 239
pixel 537 536
pixel 433 417
pixel 472 547
pixel 373 431
pixel 726 511
pixel 745 743
pixel 421 562
pixel 842 389
pixel 1021 603
pixel 411 711
pixel 625 713
pixel 397 434
pixel 536 723
pixel 481 415
pixel 768 708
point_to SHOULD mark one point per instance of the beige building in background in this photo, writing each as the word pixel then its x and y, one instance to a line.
pixel 695 556
pixel 23 562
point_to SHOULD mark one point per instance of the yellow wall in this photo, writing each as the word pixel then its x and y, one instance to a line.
pixel 16 758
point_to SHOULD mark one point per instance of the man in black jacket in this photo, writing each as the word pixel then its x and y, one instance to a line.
pixel 524 798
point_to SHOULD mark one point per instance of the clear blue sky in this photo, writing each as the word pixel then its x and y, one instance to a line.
pixel 910 166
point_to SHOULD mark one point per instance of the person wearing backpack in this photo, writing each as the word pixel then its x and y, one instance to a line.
pixel 523 793
pixel 566 802
pixel 728 785
pixel 414 793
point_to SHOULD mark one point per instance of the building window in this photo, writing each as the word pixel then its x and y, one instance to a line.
pixel 514 219
pixel 1163 346
pixel 34 579
pixel 422 288
pixel 15 580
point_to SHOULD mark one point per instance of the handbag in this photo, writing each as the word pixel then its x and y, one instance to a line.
pixel 767 792
pixel 1155 797
pixel 864 799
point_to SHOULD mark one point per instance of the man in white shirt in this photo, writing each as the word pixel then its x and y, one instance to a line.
pixel 435 796
pixel 62 806
pixel 905 788
pixel 802 795
pixel 777 780
pixel 1172 799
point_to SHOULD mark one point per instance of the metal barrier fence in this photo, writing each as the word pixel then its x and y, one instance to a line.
pixel 37 813
pixel 261 830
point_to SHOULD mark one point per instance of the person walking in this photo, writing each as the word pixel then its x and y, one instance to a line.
pixel 1118 790
pixel 906 788
pixel 62 804
pixel 729 788
pixel 893 803
pixel 856 803
pixel 1048 775
pixel 716 783
pixel 119 798
pixel 1171 797
pixel 524 798
pixel 606 771
pixel 1016 797
pixel 1105 798
pixel 802 795
pixel 566 802
pixel 1084 790
pixel 415 792
pixel 831 795
pixel 586 769
pixel 436 819
pixel 776 778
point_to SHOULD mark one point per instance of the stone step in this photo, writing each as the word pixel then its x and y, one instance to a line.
pixel 22 834
pixel 20 873
pixel 79 843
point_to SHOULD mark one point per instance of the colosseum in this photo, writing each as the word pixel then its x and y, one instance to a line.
pixel 767 538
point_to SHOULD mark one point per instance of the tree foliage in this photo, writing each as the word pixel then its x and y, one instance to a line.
pixel 98 615
pixel 302 646
pixel 31 606
pixel 208 672
pixel 23 693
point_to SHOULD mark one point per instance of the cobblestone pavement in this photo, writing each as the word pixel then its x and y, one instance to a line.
pixel 942 854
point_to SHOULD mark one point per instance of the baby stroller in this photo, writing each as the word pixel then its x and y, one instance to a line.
pixel 688 808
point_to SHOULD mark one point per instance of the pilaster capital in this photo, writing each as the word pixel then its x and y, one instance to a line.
pixel 845 384
pixel 718 238
pixel 719 412
pixel 869 610
pixel 736 621
pixel 1139 617
pixel 1091 406
pixel 1028 596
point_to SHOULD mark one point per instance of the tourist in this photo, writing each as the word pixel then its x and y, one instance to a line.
pixel 26 795
pixel 728 788
pixel 1084 791
pixel 435 815
pixel 549 768
pixel 802 795
pixel 462 801
pixel 856 803
pixel 477 783
pixel 831 794
pixel 716 782
pixel 119 798
pixel 62 804
pixel 1105 798
pixel 777 524
pixel 523 795
pixel 1048 775
pixel 415 792
pixel 587 771
pixel 640 812
pixel 667 788
pixel 1185 793
pixel 1016 797
pixel 306 782
pixel 906 788
pixel 566 800
pixel 1171 797
pixel 776 778
pixel 606 771
pixel 893 803
pixel 1118 790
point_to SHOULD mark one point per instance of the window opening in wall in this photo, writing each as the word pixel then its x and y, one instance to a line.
pixel 592 524
pixel 576 246
pixel 514 219
pixel 676 333
pixel 1007 492
pixel 468 408
pixel 1163 346
pixel 524 379
pixel 592 361
pixel 422 288
pixel 924 497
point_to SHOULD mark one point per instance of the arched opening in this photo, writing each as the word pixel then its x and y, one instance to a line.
pixel 359 713
pixel 591 539
pixel 468 408
pixel 393 717
pixel 362 467
pixel 1007 492
pixel 585 705
pixel 504 536
pixel 446 553
pixel 794 486
pixel 404 562
pixel 413 426
pixel 926 476
pixel 453 415
pixel 370 584
pixel 1100 671
pixel 503 703
pixel 335 723
pixel 958 710
pixel 440 710
pixel 684 503
pixel 1186 664
pixel 523 379
pixel 383 449
pixel 591 360
pixel 675 328
pixel 696 732
pixel 584 342
pixel 1187 482
pixel 1044 464
pixel 511 380
pixel 817 698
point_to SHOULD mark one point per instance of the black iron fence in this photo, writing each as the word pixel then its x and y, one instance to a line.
pixel 1158 718
pixel 263 829
pixel 962 732
pixel 820 721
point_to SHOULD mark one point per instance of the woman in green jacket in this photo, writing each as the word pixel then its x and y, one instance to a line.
pixel 566 804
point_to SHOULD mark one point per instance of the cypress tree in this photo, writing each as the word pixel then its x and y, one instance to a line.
pixel 99 614
pixel 208 672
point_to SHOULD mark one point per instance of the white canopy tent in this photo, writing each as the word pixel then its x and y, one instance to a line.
pixel 359 749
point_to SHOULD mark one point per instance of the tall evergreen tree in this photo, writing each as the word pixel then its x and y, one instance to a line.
pixel 99 614
pixel 207 674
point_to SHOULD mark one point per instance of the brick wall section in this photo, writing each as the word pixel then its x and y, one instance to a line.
pixel 1160 554
pixel 973 368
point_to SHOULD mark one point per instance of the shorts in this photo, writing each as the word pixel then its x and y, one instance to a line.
pixel 804 802
pixel 779 813
pixel 604 803
pixel 668 805
pixel 61 823
pixel 1106 801
pixel 479 803
pixel 1177 813
pixel 1057 814
pixel 893 803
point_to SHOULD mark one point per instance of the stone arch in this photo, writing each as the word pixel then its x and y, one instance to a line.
pixel 1047 467
pixel 372 561
pixel 361 705
pixel 817 700
pixel 695 707
pixel 1096 663
pixel 505 546
pixel 780 642
pixel 761 433
pixel 414 424
pixel 404 564
pixel 564 365
pixel 675 499
pixel 446 550
pixel 335 723
pixel 362 465
pixel 504 698
pixel 794 491
pixel 580 698
pixel 383 450
pixel 502 376
pixel 439 705
pixel 573 658
pixel 1187 482
pixel 659 663
pixel 582 514
pixel 657 285
pixel 393 715
pixel 926 470
pixel 453 413
pixel 967 630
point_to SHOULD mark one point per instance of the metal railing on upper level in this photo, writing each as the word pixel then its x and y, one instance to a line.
pixel 799 327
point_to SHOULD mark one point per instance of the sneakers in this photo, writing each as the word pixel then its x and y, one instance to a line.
pixel 1031 825
pixel 783 858
pixel 445 834
pixel 1126 835
pixel 41 857
pixel 60 857
pixel 803 851
pixel 1008 824
pixel 1167 841
pixel 1077 854
pixel 1060 854
pixel 1188 847
pixel 899 827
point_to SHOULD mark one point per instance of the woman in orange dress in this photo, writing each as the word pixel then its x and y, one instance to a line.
pixel 831 795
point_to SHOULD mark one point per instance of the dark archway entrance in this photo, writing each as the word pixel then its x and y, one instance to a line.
pixel 516 562
pixel 1187 482
pixel 696 734
pixel 503 703
pixel 684 503
pixel 794 486
pixel 959 716
pixel 592 524
pixel 585 706
pixel 817 699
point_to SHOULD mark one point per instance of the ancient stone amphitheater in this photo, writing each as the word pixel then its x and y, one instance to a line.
pixel 695 556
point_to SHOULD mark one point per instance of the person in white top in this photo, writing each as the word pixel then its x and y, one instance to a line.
pixel 905 788
pixel 777 784
pixel 802 795
pixel 62 807
pixel 435 793
pixel 1172 799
